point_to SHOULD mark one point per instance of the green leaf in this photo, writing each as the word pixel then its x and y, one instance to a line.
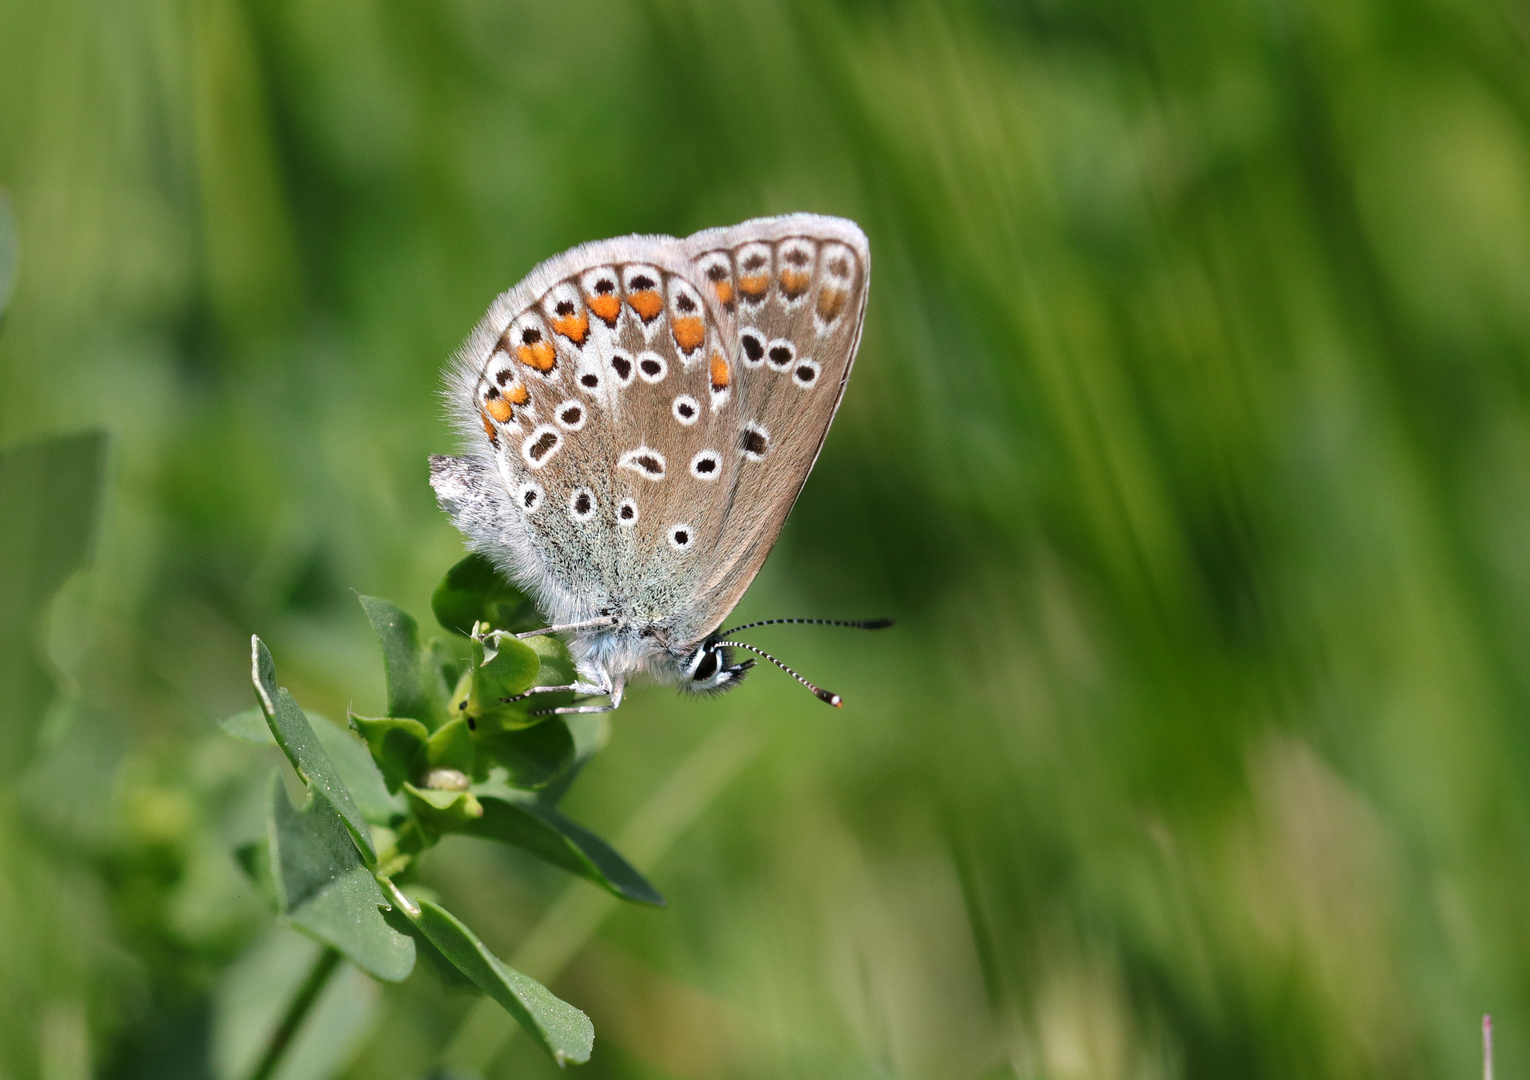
pixel 545 832
pixel 297 739
pixel 509 667
pixel 254 858
pixel 49 493
pixel 360 774
pixel 397 744
pixel 562 1030
pixel 474 591
pixel 252 1000
pixel 426 950
pixel 416 687
pixel 250 726
pixel 452 748
pixel 532 756
pixel 438 811
pixel 323 888
pixel 557 665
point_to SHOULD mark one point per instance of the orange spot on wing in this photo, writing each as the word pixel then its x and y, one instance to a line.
pixel 754 285
pixel 724 290
pixel 719 371
pixel 575 327
pixel 606 305
pixel 646 303
pixel 690 332
pixel 498 408
pixel 540 355
pixel 488 428
pixel 830 303
pixel 517 395
pixel 795 282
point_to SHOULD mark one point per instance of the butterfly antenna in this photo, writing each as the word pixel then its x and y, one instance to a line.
pixel 854 624
pixel 822 695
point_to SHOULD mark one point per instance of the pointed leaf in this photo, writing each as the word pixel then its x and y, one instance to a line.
pixel 360 773
pixel 323 888
pixel 426 950
pixel 474 591
pixel 451 747
pixel 562 1030
pixel 546 833
pixel 397 744
pixel 439 811
pixel 415 684
pixel 532 756
pixel 249 726
pixel 557 665
pixel 254 858
pixel 297 739
pixel 509 668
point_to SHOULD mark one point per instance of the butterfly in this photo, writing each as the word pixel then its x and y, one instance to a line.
pixel 639 415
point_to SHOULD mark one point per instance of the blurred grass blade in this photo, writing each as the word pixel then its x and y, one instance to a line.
pixel 323 887
pixel 562 1030
pixel 546 833
pixel 10 251
pixel 415 685
pixel 297 739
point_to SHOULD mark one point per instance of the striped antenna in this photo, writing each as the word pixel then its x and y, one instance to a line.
pixel 822 695
pixel 854 624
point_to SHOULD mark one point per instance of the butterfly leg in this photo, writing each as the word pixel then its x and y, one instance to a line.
pixel 588 624
pixel 615 694
pixel 571 688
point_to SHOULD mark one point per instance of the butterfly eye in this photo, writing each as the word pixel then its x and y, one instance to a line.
pixel 707 667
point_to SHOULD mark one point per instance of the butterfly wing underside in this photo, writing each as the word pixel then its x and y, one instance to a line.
pixel 796 287
pixel 641 414
pixel 596 402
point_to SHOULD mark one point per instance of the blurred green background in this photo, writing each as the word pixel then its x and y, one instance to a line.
pixel 1189 442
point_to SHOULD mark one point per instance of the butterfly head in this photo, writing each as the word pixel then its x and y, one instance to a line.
pixel 710 668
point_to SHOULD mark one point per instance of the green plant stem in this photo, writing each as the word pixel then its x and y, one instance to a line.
pixel 573 919
pixel 318 976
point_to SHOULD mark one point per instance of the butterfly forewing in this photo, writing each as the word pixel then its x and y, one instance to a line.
pixel 796 287
pixel 595 386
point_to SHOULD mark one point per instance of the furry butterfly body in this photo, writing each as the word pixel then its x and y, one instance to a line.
pixel 639 415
